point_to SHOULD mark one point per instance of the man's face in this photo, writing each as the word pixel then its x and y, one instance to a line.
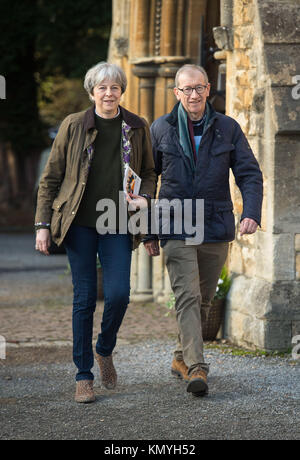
pixel 194 104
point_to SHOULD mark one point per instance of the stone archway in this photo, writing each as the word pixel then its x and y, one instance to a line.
pixel 259 43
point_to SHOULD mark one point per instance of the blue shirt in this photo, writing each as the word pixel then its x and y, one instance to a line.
pixel 198 127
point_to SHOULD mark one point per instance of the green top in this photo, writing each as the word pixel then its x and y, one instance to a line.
pixel 105 176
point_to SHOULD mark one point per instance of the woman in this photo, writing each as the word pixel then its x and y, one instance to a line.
pixel 85 166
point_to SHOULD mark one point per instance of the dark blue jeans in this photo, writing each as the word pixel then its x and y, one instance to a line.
pixel 82 245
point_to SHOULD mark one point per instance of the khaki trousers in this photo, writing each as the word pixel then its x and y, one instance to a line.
pixel 194 272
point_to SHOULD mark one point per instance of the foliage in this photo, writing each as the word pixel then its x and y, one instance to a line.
pixel 170 304
pixel 223 284
pixel 19 119
pixel 40 41
pixel 58 97
pixel 76 34
pixel 226 347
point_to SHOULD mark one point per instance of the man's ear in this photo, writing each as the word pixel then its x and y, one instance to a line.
pixel 176 92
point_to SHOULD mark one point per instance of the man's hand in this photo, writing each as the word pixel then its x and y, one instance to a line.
pixel 248 226
pixel 152 247
pixel 43 241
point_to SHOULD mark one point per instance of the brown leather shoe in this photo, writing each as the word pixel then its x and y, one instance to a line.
pixel 198 382
pixel 179 369
pixel 108 372
pixel 84 391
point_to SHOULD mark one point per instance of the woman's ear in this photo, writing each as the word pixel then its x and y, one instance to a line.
pixel 91 95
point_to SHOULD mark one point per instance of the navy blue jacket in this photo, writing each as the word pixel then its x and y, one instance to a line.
pixel 223 146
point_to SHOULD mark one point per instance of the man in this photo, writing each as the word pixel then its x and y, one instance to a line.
pixel 194 148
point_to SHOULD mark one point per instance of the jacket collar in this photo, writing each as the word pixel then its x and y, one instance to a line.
pixel 130 119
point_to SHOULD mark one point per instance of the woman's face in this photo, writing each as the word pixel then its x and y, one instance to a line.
pixel 106 96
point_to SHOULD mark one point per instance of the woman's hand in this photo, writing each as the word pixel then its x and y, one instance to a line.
pixel 43 241
pixel 136 202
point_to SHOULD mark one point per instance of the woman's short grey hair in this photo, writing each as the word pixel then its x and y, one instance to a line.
pixel 104 71
pixel 190 68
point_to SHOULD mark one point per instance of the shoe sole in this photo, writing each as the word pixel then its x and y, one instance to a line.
pixel 178 375
pixel 200 395
pixel 85 401
pixel 197 387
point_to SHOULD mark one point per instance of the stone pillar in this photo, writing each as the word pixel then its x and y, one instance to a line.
pixel 146 85
pixel 153 74
pixel 140 11
pixel 153 61
pixel 141 281
pixel 119 37
pixel 161 35
pixel 146 89
pixel 168 19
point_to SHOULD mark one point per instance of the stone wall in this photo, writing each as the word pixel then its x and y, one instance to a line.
pixel 264 303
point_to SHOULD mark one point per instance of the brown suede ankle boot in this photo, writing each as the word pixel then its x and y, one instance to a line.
pixel 179 369
pixel 107 371
pixel 198 382
pixel 84 391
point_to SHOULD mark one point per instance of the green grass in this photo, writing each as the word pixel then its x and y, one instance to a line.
pixel 240 351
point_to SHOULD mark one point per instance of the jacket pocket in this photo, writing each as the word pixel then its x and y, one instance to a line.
pixel 57 207
pixel 58 204
pixel 222 148
pixel 223 206
pixel 223 220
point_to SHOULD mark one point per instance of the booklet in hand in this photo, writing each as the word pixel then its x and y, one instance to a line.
pixel 132 182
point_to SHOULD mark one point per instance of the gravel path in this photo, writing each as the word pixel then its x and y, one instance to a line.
pixel 249 397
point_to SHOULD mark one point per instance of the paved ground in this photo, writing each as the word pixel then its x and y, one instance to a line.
pixel 36 299
pixel 251 397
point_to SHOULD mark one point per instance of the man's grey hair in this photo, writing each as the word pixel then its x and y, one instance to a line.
pixel 190 68
pixel 104 71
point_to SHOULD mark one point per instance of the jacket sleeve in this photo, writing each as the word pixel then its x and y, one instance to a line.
pixel 53 175
pixel 248 176
pixel 147 174
pixel 157 155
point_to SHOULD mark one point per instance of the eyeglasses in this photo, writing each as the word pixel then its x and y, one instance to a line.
pixel 187 91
